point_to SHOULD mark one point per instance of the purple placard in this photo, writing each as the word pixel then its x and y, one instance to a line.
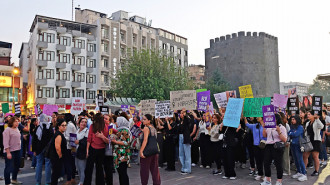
pixel 136 131
pixel 49 109
pixel 73 138
pixel 30 146
pixel 269 116
pixel 280 100
pixel 9 114
pixel 124 108
pixel 132 110
pixel 203 100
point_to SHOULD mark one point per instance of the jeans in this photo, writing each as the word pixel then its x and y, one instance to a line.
pixel 34 161
pixel 81 165
pixel 298 158
pixel 40 161
pixel 12 166
pixel 184 155
pixel 323 153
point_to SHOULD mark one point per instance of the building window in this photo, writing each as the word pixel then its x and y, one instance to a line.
pixel 179 51
pixel 91 47
pixel 90 94
pixel 64 93
pixel 66 41
pixel 47 37
pixel 46 55
pixel 105 33
pixel 91 79
pixel 79 60
pixel 49 73
pixel 105 63
pixel 185 53
pixel 64 58
pixel 40 74
pixel 105 79
pixel 78 93
pixel 66 75
pixel 78 43
pixel 39 93
pixel 122 37
pixel 105 46
pixel 143 41
pixel 91 63
pixel 164 45
pixel 48 92
pixel 172 48
pixel 78 77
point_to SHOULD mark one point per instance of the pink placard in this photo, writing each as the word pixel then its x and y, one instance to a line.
pixel 280 100
pixel 49 109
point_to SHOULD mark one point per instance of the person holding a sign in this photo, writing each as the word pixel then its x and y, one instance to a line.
pixel 216 143
pixel 170 142
pixel 204 142
pixel 276 137
pixel 313 130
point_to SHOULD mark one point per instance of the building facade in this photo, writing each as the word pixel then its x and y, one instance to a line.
pixel 301 88
pixel 245 58
pixel 119 35
pixel 196 73
pixel 62 62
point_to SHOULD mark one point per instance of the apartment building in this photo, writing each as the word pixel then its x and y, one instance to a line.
pixel 196 73
pixel 301 88
pixel 62 58
pixel 119 35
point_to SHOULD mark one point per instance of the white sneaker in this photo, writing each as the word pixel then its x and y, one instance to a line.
pixel 266 183
pixel 224 177
pixel 193 164
pixel 297 175
pixel 278 183
pixel 207 167
pixel 324 163
pixel 302 178
pixel 232 178
pixel 285 174
pixel 258 178
pixel 201 166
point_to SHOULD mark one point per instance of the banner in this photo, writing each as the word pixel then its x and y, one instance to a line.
pixel 136 131
pixel 245 91
pixel 77 105
pixel 104 110
pixel 280 100
pixel 18 108
pixel 5 107
pixel 253 106
pixel 100 100
pixel 183 99
pixel 317 105
pixel 233 112
pixel 269 116
pixel 49 109
pixel 203 100
pixel 125 108
pixel 148 107
pixel 292 93
pixel 162 109
pixel 293 106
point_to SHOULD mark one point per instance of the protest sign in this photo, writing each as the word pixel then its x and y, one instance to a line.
pixel 231 94
pixel 110 128
pixel 293 106
pixel 77 105
pixel 18 108
pixel 253 106
pixel 148 107
pixel 100 100
pixel 5 107
pixel 125 108
pixel 211 108
pixel 208 118
pixel 245 91
pixel 200 90
pixel 183 99
pixel 49 109
pixel 317 105
pixel 307 102
pixel 292 93
pixel 203 100
pixel 280 100
pixel 269 116
pixel 136 131
pixel 73 138
pixel 233 112
pixel 221 99
pixel 30 152
pixel 162 109
pixel 37 110
pixel 104 110
pixel 132 110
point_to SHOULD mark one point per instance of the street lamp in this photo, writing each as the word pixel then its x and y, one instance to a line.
pixel 15 72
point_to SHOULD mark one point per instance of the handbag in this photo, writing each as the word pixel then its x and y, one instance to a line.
pixel 305 144
pixel 278 145
pixel 81 151
pixel 152 147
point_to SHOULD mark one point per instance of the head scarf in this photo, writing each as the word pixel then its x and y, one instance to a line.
pixel 44 121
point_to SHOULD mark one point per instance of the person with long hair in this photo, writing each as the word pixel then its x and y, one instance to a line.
pixel 296 132
pixel 96 141
pixel 148 163
pixel 108 157
pixel 169 143
pixel 274 135
pixel 313 131
pixel 216 143
pixel 12 148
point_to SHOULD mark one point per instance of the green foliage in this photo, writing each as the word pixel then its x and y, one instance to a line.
pixel 216 84
pixel 320 88
pixel 148 74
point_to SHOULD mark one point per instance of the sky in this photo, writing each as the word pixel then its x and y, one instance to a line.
pixel 302 27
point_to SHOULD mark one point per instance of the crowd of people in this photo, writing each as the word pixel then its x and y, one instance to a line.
pixel 106 142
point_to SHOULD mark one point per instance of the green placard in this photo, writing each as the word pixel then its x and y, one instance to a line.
pixel 200 90
pixel 5 107
pixel 253 106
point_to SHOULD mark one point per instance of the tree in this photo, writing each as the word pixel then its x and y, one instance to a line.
pixel 149 74
pixel 216 84
pixel 320 88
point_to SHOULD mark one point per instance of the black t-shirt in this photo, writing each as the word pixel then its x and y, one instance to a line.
pixel 310 131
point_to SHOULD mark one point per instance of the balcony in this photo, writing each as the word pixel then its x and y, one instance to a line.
pixel 76 50
pixel 41 81
pixel 41 100
pixel 91 101
pixel 123 42
pixel 90 37
pixel 76 33
pixel 89 69
pixel 42 44
pixel 76 84
pixel 60 101
pixel 60 83
pixel 60 47
pixel 76 67
pixel 90 53
pixel 123 56
pixel 60 65
pixel 42 63
pixel 42 26
pixel 61 30
pixel 89 85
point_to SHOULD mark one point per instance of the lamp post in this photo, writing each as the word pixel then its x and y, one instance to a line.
pixel 15 72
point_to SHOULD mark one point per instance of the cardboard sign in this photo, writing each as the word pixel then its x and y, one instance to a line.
pixel 292 93
pixel 208 118
pixel 183 99
pixel 203 100
pixel 245 91
pixel 18 108
pixel 104 110
pixel 293 106
pixel 5 107
pixel 49 109
pixel 100 100
pixel 269 116
pixel 221 99
pixel 124 108
pixel 77 105
pixel 162 109
pixel 136 131
pixel 73 138
pixel 132 110
pixel 233 112
pixel 317 105
pixel 253 106
pixel 280 100
pixel 148 107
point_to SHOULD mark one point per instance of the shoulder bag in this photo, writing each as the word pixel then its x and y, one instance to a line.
pixel 152 147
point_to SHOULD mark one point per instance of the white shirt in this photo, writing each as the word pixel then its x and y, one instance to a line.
pixel 82 134
pixel 202 128
pixel 70 128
